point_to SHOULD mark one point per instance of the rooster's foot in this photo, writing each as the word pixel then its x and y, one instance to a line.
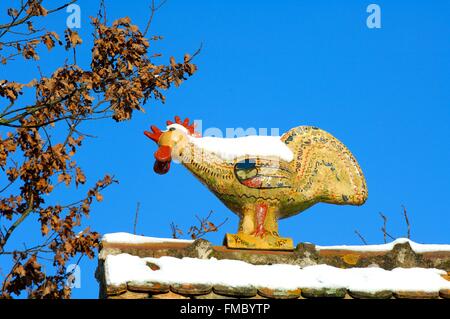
pixel 260 232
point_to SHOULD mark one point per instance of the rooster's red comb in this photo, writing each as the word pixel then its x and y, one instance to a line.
pixel 185 123
pixel 155 134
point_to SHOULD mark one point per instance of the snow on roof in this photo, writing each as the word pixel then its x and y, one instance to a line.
pixel 126 238
pixel 231 148
pixel 123 268
pixel 418 248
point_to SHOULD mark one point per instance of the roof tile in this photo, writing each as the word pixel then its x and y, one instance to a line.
pixel 116 289
pixel 416 295
pixel 445 293
pixel 191 289
pixel 323 293
pixel 213 295
pixel 240 292
pixel 152 287
pixel 279 294
pixel 384 294
pixel 131 295
pixel 169 295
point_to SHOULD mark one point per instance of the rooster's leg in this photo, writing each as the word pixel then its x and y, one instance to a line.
pixel 247 222
pixel 260 218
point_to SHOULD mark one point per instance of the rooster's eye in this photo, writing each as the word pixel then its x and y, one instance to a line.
pixel 172 129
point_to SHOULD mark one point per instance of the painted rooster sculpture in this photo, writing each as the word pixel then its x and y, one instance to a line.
pixel 264 178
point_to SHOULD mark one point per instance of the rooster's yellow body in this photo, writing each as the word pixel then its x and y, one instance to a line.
pixel 261 189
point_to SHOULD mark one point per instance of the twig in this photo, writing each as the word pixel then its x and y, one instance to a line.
pixel 197 52
pixel 16 21
pixel 6 187
pixel 18 222
pixel 384 228
pixel 205 227
pixel 175 230
pixel 74 56
pixel 153 9
pixel 405 214
pixel 138 205
pixel 100 189
pixel 101 8
pixel 10 275
pixel 361 237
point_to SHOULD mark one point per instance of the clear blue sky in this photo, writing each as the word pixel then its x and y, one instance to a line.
pixel 383 92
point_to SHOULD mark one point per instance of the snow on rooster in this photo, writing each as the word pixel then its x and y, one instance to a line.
pixel 264 178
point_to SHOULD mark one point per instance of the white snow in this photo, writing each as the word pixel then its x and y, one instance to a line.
pixel 256 145
pixel 126 238
pixel 229 149
pixel 178 127
pixel 418 248
pixel 120 269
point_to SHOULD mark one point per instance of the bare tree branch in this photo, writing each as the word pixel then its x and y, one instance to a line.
pixel 205 226
pixel 11 229
pixel 153 9
pixel 16 21
pixel 361 237
pixel 138 205
pixel 405 214
pixel 384 228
